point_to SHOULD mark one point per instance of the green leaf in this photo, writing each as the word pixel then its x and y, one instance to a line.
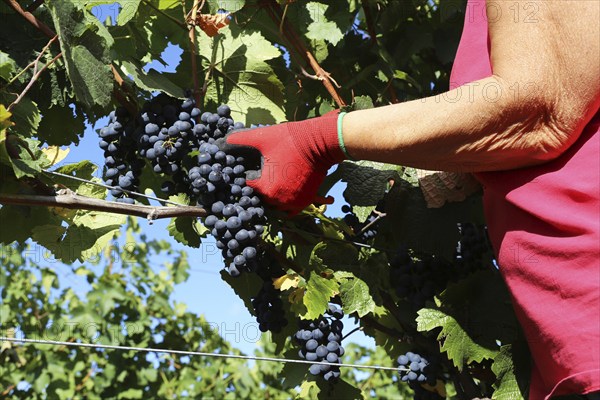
pixel 309 390
pixel 128 10
pixel 474 314
pixel 85 43
pixel 25 115
pixel 405 77
pixel 5 117
pixel 186 231
pixel 356 297
pixel 363 212
pixel 83 240
pixel 84 170
pixel 362 103
pixel 510 370
pixel 61 126
pixel 7 66
pixel 22 221
pixel 319 291
pixel 242 76
pixel 152 80
pixel 321 28
pixel 461 349
pixel 367 181
pixel 23 155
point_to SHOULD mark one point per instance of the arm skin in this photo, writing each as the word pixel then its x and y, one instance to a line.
pixel 548 74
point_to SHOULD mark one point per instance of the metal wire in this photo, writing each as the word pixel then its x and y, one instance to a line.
pixel 192 353
pixel 114 187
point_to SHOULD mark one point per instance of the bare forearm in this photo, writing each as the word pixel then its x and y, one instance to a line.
pixel 544 90
pixel 483 126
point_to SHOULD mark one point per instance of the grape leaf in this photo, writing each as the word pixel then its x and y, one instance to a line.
pixel 507 367
pixel 128 10
pixel 22 220
pixel 55 154
pixel 362 103
pixel 461 348
pixel 319 389
pixel 152 80
pixel 246 286
pixel 83 240
pixel 186 231
pixel 319 291
pixel 286 282
pixel 85 43
pixel 25 115
pixel 5 118
pixel 367 181
pixel 474 314
pixel 321 28
pixel 84 170
pixel 309 390
pixel 363 212
pixel 242 76
pixel 23 155
pixel 7 66
pixel 61 126
pixel 356 297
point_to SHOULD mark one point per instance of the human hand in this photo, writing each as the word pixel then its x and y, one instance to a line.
pixel 295 159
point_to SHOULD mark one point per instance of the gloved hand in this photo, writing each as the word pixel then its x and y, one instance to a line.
pixel 295 159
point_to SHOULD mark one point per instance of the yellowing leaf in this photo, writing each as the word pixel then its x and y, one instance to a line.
pixel 55 154
pixel 286 282
pixel 4 117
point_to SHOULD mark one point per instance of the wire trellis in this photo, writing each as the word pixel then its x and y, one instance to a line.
pixel 191 353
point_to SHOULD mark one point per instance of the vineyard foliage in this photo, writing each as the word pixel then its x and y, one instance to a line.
pixel 68 63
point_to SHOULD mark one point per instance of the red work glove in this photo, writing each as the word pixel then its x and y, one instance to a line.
pixel 295 159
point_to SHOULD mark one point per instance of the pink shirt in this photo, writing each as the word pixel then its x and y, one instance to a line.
pixel 544 223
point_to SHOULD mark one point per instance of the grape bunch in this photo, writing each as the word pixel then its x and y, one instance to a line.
pixel 185 155
pixel 236 215
pixel 122 166
pixel 416 370
pixel 473 251
pixel 361 234
pixel 418 279
pixel 268 307
pixel 320 341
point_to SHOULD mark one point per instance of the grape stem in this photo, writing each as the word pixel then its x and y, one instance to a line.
pixel 36 73
pixel 31 64
pixel 370 224
pixel 198 4
pixel 288 32
pixel 358 328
